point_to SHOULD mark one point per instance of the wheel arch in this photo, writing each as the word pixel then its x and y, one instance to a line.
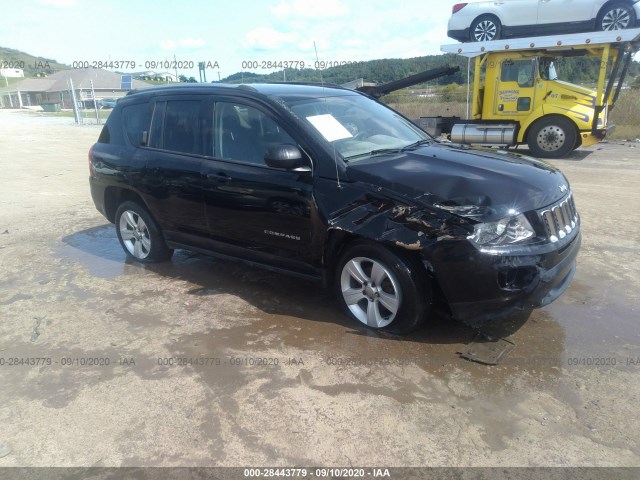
pixel 115 196
pixel 612 2
pixel 339 240
pixel 526 128
pixel 608 4
pixel 488 14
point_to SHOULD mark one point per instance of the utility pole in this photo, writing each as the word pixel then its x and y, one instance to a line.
pixel 175 65
pixel 95 102
pixel 76 111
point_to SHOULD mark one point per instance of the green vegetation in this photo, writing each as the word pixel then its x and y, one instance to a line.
pixel 9 80
pixel 30 64
pixel 626 115
pixel 385 70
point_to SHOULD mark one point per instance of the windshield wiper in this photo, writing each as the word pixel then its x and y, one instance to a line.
pixel 379 151
pixel 416 144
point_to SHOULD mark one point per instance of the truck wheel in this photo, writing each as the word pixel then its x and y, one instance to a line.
pixel 578 143
pixel 616 16
pixel 552 137
pixel 485 28
pixel 381 289
pixel 139 234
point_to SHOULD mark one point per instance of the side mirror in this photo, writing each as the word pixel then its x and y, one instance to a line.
pixel 284 156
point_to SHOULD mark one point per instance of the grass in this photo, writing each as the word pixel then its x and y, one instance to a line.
pixel 9 80
pixel 89 113
pixel 625 116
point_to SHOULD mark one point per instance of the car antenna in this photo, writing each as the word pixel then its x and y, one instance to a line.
pixel 324 97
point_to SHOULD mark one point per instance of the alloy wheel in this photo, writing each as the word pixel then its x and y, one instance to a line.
pixel 371 291
pixel 484 31
pixel 616 19
pixel 135 234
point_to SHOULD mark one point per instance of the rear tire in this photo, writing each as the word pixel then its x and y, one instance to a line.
pixel 139 235
pixel 616 16
pixel 485 28
pixel 552 137
pixel 382 289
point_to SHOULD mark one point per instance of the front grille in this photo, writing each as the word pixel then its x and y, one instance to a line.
pixel 560 219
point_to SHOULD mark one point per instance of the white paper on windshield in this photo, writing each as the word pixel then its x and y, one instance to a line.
pixel 329 127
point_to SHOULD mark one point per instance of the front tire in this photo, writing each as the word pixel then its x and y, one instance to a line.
pixel 139 234
pixel 552 137
pixel 381 289
pixel 617 16
pixel 485 29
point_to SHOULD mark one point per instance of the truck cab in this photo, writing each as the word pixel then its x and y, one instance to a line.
pixel 519 96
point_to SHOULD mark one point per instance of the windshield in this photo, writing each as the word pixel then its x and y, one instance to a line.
pixel 357 126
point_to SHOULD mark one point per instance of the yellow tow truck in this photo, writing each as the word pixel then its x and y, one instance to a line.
pixel 519 97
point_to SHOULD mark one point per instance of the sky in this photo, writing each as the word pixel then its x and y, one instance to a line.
pixel 228 32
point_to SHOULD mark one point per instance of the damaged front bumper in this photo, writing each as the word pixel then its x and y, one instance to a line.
pixel 481 287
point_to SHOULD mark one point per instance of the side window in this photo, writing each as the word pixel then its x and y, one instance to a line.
pixel 183 130
pixel 520 71
pixel 245 133
pixel 136 120
pixel 155 135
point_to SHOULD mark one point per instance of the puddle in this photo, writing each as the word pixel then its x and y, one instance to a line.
pixel 293 315
pixel 599 322
pixel 98 249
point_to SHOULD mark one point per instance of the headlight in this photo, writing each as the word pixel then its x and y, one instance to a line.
pixel 503 232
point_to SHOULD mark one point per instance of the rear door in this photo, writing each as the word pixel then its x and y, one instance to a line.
pixel 249 205
pixel 178 140
pixel 515 13
pixel 566 12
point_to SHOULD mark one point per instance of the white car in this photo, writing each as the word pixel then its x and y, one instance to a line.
pixel 481 21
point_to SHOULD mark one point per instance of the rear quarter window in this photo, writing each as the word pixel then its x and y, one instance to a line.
pixel 135 121
pixel 105 135
pixel 113 133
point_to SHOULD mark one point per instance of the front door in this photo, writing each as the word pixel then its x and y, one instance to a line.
pixel 249 205
pixel 515 88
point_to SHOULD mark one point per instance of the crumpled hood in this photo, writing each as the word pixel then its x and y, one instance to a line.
pixel 448 175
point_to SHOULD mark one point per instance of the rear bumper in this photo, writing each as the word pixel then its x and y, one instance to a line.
pixel 97 194
pixel 486 287
pixel 460 35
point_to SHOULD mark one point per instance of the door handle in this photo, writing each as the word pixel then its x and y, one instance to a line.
pixel 219 177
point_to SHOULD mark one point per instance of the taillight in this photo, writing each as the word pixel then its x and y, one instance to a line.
pixel 91 159
pixel 457 7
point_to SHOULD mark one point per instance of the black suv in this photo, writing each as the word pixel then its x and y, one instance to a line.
pixel 327 183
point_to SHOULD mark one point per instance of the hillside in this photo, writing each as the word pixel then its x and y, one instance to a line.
pixel 575 70
pixel 384 70
pixel 31 65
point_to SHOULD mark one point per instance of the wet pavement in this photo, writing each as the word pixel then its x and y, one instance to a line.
pixel 199 361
